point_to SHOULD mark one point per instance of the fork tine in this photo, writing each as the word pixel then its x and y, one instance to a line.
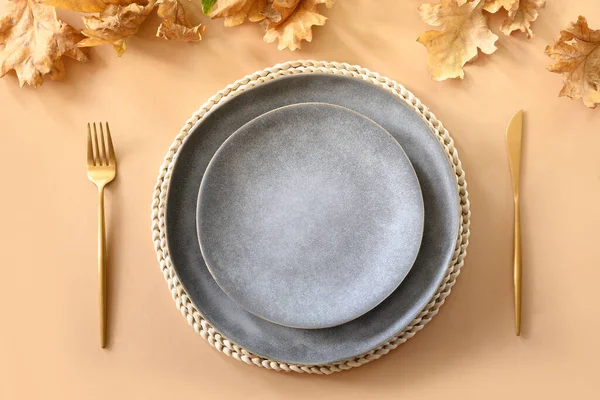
pixel 98 156
pixel 104 156
pixel 90 149
pixel 111 150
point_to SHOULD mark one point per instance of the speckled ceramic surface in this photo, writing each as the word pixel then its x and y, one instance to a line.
pixel 310 215
pixel 316 346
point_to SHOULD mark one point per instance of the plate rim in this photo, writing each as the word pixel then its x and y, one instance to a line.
pixel 421 207
pixel 183 303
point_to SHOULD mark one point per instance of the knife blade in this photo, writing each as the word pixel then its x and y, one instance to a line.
pixel 514 136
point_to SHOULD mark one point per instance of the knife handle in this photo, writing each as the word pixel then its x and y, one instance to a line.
pixel 517 268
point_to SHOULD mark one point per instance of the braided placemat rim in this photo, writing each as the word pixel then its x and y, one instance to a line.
pixel 182 300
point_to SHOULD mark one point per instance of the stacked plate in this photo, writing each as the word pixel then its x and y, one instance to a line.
pixel 311 219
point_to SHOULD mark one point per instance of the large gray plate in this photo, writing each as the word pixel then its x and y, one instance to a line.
pixel 310 215
pixel 316 346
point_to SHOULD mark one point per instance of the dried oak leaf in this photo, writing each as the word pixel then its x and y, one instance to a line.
pixel 577 55
pixel 298 25
pixel 277 11
pixel 464 30
pixel 176 24
pixel 493 6
pixel 33 42
pixel 521 17
pixel 86 6
pixel 235 12
pixel 115 25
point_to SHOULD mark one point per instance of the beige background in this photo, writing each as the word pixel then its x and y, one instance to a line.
pixel 48 307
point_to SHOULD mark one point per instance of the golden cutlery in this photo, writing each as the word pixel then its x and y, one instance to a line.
pixel 514 134
pixel 102 169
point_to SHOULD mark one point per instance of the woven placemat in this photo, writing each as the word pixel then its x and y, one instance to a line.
pixel 182 300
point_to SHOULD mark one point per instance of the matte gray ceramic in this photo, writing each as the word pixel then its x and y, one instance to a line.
pixel 310 215
pixel 314 346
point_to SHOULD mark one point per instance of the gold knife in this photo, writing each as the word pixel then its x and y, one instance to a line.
pixel 514 134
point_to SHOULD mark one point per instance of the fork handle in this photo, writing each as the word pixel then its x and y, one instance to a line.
pixel 517 268
pixel 102 266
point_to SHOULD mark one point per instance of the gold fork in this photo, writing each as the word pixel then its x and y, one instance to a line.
pixel 102 169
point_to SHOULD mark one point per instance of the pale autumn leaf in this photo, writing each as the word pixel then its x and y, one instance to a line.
pixel 176 24
pixel 521 17
pixel 493 6
pixel 577 58
pixel 464 29
pixel 277 11
pixel 86 6
pixel 236 12
pixel 298 25
pixel 33 41
pixel 115 25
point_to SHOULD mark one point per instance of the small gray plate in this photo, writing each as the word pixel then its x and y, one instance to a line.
pixel 310 215
pixel 314 346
